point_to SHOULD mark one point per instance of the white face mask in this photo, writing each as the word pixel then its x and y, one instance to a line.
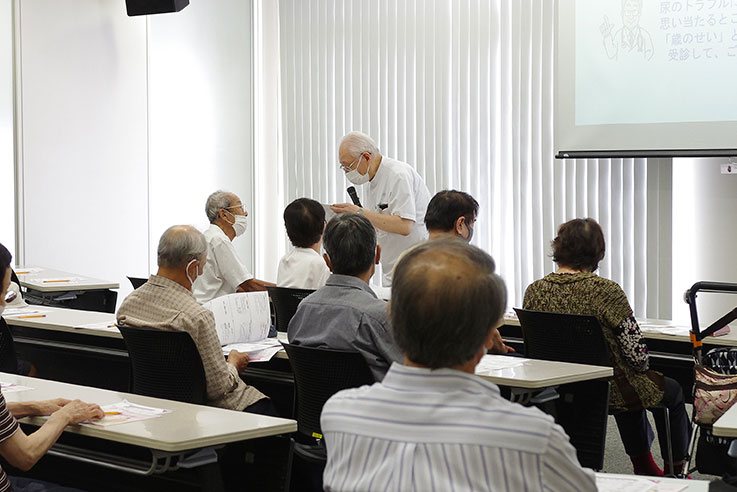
pixel 355 177
pixel 197 271
pixel 240 223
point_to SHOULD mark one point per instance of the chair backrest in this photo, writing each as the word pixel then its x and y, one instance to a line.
pixel 285 302
pixel 320 373
pixel 582 408
pixel 564 337
pixel 165 364
pixel 8 357
pixel 136 282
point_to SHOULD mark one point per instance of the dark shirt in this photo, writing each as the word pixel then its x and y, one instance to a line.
pixel 345 314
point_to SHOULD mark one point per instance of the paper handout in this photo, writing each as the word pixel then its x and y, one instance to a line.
pixel 241 317
pixel 125 411
pixel 258 351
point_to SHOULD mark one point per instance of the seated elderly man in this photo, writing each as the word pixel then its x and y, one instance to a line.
pixel 451 213
pixel 345 314
pixel 432 424
pixel 224 273
pixel 165 302
pixel 23 450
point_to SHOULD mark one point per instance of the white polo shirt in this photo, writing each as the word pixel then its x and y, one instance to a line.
pixel 302 268
pixel 397 189
pixel 223 271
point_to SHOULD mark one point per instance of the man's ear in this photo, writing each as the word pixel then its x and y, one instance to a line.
pixel 378 254
pixel 458 225
pixel 327 262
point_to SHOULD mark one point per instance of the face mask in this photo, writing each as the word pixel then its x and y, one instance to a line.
pixel 240 224
pixel 197 271
pixel 355 177
pixel 470 234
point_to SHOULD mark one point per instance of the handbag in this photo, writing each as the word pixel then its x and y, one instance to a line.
pixel 715 394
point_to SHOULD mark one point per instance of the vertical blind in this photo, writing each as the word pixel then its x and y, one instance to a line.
pixel 463 91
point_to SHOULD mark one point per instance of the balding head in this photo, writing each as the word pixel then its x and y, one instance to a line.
pixel 445 300
pixel 179 245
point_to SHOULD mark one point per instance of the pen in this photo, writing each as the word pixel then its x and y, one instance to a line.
pixel 50 281
pixel 32 316
pixel 112 413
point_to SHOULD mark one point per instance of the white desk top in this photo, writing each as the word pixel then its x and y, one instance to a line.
pixel 690 485
pixel 534 373
pixel 45 279
pixel 729 340
pixel 186 427
pixel 64 319
pixel 726 425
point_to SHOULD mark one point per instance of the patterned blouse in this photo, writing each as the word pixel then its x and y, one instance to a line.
pixel 587 293
pixel 8 427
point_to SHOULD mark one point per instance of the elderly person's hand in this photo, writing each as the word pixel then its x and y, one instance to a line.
pixel 341 208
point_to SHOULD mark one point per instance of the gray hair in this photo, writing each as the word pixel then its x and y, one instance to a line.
pixel 445 299
pixel 216 202
pixel 358 142
pixel 179 245
pixel 350 242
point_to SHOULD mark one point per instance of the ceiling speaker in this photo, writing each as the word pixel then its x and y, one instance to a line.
pixel 148 7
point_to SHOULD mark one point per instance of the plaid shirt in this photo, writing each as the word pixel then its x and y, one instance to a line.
pixel 163 304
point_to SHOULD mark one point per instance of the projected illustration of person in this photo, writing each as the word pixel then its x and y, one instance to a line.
pixel 630 40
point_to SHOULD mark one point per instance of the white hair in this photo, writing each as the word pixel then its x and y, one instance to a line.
pixel 217 201
pixel 179 245
pixel 358 142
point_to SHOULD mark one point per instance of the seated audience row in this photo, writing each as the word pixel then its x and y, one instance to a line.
pixel 23 450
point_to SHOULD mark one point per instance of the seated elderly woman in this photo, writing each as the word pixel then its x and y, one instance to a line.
pixel 574 288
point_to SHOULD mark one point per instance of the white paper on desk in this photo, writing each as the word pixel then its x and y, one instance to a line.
pixel 497 362
pixel 128 412
pixel 13 388
pixel 665 329
pixel 58 280
pixel 15 312
pixel 103 326
pixel 635 484
pixel 259 351
pixel 241 317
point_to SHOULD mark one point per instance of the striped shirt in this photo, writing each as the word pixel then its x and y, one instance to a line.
pixel 8 427
pixel 444 430
pixel 163 304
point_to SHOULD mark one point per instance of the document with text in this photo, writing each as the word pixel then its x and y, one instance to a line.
pixel 241 317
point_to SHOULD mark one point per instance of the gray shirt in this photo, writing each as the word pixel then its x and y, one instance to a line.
pixel 346 315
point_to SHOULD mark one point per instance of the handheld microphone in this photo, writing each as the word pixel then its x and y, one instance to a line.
pixel 354 196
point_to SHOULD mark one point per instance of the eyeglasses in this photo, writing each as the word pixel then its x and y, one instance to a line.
pixel 351 166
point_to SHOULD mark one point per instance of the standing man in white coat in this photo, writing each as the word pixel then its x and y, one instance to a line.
pixel 396 200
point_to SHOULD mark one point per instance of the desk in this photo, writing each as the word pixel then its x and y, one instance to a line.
pixel 169 438
pixel 538 374
pixel 726 425
pixel 75 355
pixel 690 485
pixel 58 288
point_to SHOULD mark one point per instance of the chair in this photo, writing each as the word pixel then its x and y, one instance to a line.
pixel 319 373
pixel 582 408
pixel 136 282
pixel 165 364
pixel 8 357
pixel 285 302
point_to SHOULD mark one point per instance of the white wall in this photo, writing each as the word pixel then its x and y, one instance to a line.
pixel 84 155
pixel 7 173
pixel 127 125
pixel 704 235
